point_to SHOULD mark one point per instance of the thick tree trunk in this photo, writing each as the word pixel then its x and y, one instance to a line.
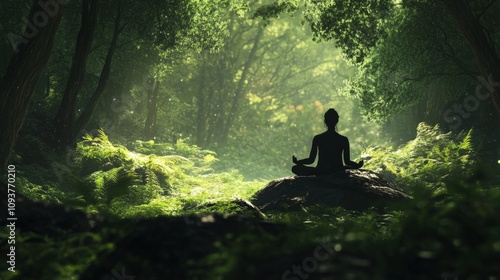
pixel 486 57
pixel 149 128
pixel 24 70
pixel 65 116
pixel 86 115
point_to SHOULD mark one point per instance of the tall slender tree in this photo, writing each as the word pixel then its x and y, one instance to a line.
pixel 152 108
pixel 86 114
pixel 65 117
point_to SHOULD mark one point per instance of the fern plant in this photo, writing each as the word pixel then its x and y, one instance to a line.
pixel 432 158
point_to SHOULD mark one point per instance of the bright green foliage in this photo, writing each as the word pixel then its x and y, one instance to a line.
pixel 211 27
pixel 416 64
pixel 354 33
pixel 431 159
pixel 155 179
pixel 47 192
pixel 274 10
pixel 354 26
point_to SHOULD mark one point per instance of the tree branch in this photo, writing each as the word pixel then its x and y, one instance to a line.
pixel 486 9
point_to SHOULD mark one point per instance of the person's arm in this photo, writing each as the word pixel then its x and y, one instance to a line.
pixel 347 157
pixel 312 155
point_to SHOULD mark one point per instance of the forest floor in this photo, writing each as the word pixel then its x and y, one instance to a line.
pixel 157 211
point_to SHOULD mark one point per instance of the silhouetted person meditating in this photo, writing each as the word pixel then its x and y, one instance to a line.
pixel 331 146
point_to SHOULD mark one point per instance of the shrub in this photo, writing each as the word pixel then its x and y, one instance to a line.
pixel 432 158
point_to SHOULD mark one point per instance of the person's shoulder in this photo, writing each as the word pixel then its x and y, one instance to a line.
pixel 322 135
pixel 319 137
pixel 342 137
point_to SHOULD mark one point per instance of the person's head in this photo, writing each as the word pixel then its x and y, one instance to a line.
pixel 331 118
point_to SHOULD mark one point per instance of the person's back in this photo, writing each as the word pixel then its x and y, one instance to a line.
pixel 331 148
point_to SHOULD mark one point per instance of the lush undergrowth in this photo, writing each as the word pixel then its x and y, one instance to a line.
pixel 449 229
pixel 436 236
pixel 431 159
pixel 147 180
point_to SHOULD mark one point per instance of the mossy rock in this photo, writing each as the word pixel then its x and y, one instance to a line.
pixel 233 207
pixel 352 189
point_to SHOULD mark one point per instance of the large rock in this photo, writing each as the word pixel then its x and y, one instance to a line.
pixel 352 189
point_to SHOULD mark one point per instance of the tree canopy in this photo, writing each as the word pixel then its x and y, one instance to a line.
pixel 405 48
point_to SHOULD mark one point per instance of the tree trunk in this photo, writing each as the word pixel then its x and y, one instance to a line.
pixel 65 116
pixel 86 115
pixel 201 118
pixel 238 94
pixel 149 128
pixel 486 57
pixel 47 88
pixel 24 70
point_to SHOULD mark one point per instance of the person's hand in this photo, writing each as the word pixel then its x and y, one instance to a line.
pixel 357 165
pixel 294 159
